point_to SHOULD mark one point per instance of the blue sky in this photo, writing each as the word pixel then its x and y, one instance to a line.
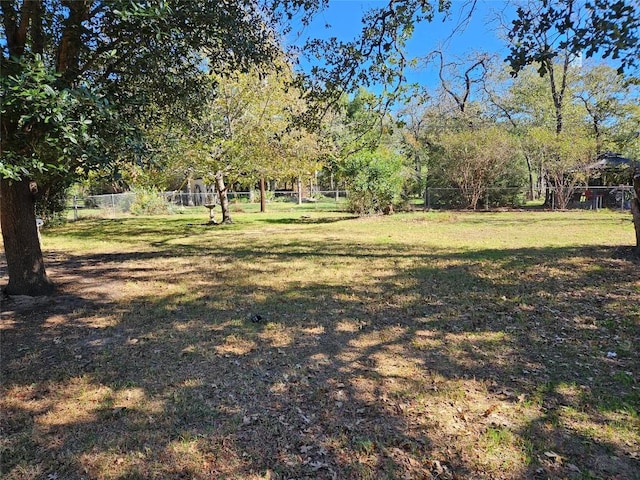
pixel 343 19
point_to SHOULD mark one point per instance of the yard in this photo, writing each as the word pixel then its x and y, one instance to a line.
pixel 305 343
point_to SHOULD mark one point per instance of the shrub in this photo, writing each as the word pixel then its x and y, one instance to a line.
pixel 149 203
pixel 52 201
pixel 374 181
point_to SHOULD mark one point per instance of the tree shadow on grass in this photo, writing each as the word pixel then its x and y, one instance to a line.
pixel 308 220
pixel 441 368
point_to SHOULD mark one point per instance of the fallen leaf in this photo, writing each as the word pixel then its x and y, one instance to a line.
pixel 557 458
pixel 490 410
pixel 317 465
pixel 304 417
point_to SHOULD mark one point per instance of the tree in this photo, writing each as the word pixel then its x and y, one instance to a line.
pixel 475 160
pixel 453 107
pixel 551 47
pixel 62 59
pixel 252 131
pixel 365 154
pixel 358 124
pixel 374 180
pixel 504 104
pixel 565 157
pixel 160 159
pixel 415 138
pixel 604 95
pixel 524 103
pixel 459 80
pixel 361 153
pixel 47 134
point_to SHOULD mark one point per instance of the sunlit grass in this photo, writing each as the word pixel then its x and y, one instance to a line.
pixel 424 345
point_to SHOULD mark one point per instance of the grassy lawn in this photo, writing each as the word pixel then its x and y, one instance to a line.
pixel 416 346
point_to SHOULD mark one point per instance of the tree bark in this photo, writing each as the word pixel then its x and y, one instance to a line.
pixel 635 210
pixel 68 55
pixel 25 263
pixel 224 198
pixel 27 275
pixel 530 193
pixel 263 196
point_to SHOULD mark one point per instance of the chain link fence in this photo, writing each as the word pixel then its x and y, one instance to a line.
pixel 589 198
pixel 116 204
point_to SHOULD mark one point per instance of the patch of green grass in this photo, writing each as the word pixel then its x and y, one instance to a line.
pixel 495 438
pixel 625 379
pixel 626 403
pixel 364 445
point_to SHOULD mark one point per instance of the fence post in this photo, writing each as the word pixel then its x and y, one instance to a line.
pixel 75 208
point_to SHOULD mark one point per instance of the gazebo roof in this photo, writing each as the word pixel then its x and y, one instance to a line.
pixel 610 161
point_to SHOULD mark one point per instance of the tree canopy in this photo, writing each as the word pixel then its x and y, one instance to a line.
pixel 67 66
pixel 88 83
pixel 544 29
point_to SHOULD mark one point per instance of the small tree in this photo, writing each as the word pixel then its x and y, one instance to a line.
pixel 245 131
pixel 474 160
pixel 564 157
pixel 374 180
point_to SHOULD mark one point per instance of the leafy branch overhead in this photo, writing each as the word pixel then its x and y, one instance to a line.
pixel 376 57
pixel 608 28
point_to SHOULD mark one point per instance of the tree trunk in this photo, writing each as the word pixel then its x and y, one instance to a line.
pixel 299 191
pixel 263 196
pixel 548 192
pixel 25 264
pixel 635 210
pixel 224 198
pixel 71 43
pixel 530 194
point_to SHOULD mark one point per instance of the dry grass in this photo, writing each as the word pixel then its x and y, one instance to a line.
pixel 444 345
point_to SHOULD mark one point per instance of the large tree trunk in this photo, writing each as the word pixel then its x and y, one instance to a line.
pixel 635 210
pixel 224 198
pixel 27 275
pixel 23 24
